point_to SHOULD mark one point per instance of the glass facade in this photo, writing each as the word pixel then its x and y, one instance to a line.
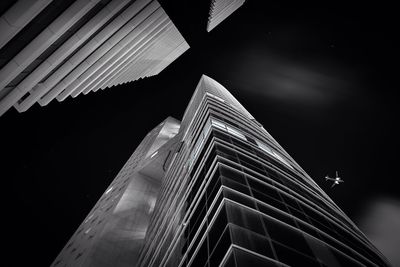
pixel 232 197
pixel 215 189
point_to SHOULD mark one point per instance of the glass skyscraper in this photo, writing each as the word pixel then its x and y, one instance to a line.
pixel 215 190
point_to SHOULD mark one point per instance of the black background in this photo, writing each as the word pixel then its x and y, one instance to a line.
pixel 320 78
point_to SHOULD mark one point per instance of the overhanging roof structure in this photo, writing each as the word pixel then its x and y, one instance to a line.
pixel 55 49
pixel 220 10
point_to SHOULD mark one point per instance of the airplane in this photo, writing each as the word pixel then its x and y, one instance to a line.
pixel 335 180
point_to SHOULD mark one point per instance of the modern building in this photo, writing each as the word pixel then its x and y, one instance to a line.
pixel 220 10
pixel 215 190
pixel 60 48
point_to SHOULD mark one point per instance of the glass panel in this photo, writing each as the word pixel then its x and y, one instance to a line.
pixel 232 174
pixel 221 248
pixel 244 258
pixel 245 218
pixel 264 147
pixel 292 257
pixel 235 132
pixel 226 153
pixel 214 191
pixel 207 128
pixel 283 217
pixel 217 227
pixel 230 261
pixel 234 185
pixel 287 236
pixel 281 159
pixel 269 200
pixel 251 241
pixel 218 98
pixel 196 241
pixel 298 214
pixel 201 256
pixel 239 198
pixel 289 200
pixel 345 260
pixel 264 188
pixel 218 124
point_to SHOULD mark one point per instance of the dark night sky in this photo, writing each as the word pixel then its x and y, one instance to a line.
pixel 320 78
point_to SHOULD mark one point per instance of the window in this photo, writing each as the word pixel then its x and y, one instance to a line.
pixel 273 153
pixel 195 241
pixel 215 97
pixel 235 185
pixel 221 248
pixel 243 145
pixel 218 124
pixel 235 175
pixel 244 258
pixel 343 259
pixel 267 199
pixel 109 190
pixel 227 153
pixel 201 255
pixel 219 99
pixel 264 147
pixel 239 198
pixel 287 236
pixel 213 187
pixel 235 132
pixel 196 220
pixel 281 159
pixel 207 128
pixel 230 261
pixel 251 241
pixel 245 218
pixel 281 216
pixel 292 257
pixel 264 188
pixel 217 228
pixel 215 207
pixel 231 130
